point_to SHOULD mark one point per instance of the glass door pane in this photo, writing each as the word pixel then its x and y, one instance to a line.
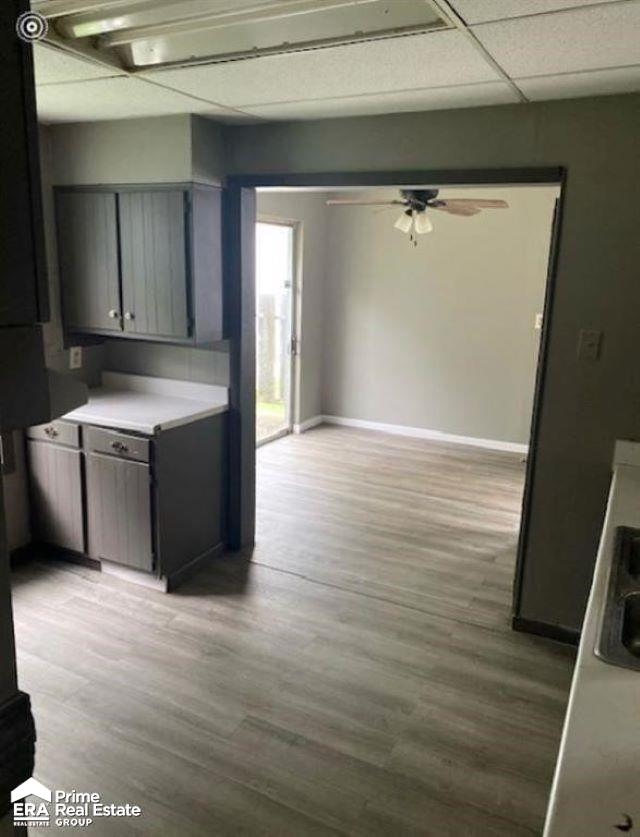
pixel 274 280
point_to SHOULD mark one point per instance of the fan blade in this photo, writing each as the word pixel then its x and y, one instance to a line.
pixel 476 203
pixel 466 211
pixel 349 202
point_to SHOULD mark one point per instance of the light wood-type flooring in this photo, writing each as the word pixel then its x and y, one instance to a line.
pixel 358 676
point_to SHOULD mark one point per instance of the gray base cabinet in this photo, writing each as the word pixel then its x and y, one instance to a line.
pixel 56 494
pixel 119 511
pixel 151 503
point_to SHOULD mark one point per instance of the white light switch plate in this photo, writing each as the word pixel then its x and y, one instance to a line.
pixel 537 323
pixel 75 357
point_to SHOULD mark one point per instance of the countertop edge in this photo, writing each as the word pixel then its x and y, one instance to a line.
pixel 591 747
pixel 146 429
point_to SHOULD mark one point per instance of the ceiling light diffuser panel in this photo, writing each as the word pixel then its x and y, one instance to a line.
pixel 151 34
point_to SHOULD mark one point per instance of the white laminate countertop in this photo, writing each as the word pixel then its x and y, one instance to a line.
pixel 148 405
pixel 597 780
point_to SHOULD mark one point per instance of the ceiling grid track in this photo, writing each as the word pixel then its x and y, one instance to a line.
pixel 445 8
pixel 108 62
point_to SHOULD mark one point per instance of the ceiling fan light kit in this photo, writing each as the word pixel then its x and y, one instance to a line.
pixel 414 219
pixel 404 222
pixel 422 223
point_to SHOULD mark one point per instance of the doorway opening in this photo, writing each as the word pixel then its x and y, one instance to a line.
pixel 275 329
pixel 241 216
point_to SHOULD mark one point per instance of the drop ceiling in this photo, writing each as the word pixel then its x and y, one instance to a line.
pixel 255 60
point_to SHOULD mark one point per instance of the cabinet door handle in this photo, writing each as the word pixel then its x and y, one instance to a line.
pixel 51 432
pixel 129 315
pixel 114 314
pixel 119 446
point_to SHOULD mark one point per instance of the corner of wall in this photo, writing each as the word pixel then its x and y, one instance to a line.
pixel 208 154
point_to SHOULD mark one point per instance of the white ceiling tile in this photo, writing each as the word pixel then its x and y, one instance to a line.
pixel 479 11
pixel 592 83
pixel 492 93
pixel 53 66
pixel 585 39
pixel 112 98
pixel 419 61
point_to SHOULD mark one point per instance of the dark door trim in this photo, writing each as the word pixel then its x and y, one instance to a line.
pixel 410 177
pixel 538 398
pixel 238 238
pixel 238 248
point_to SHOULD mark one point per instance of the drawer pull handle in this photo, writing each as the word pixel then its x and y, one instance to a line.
pixel 51 432
pixel 114 314
pixel 129 315
pixel 119 446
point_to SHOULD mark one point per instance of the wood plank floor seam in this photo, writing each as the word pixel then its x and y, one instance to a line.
pixel 311 580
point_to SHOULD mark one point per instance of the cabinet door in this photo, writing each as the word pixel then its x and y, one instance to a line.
pixel 56 494
pixel 119 511
pixel 88 258
pixel 154 263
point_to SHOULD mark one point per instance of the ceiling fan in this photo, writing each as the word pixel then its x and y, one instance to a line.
pixel 414 219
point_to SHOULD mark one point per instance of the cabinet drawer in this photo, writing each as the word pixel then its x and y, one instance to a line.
pixel 60 432
pixel 117 444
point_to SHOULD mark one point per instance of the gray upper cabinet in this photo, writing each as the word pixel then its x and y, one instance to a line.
pixel 88 257
pixel 141 262
pixel 154 263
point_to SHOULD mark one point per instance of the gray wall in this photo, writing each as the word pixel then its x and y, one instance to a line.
pixel 309 211
pixel 157 150
pixel 586 406
pixel 439 336
pixel 207 151
pixel 201 365
pixel 57 356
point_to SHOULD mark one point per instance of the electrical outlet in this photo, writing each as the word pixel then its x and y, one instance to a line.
pixel 589 344
pixel 75 357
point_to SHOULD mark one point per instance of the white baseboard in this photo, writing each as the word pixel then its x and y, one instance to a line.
pixel 424 433
pixel 314 421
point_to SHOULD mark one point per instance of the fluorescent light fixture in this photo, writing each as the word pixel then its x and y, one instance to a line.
pixel 148 33
pixel 404 222
pixel 422 223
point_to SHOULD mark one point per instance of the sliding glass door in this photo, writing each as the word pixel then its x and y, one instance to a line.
pixel 274 329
